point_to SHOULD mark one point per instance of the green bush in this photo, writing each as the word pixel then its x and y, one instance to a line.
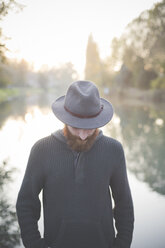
pixel 158 83
pixel 7 93
pixel 5 80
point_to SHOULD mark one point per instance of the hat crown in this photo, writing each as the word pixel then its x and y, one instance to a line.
pixel 82 98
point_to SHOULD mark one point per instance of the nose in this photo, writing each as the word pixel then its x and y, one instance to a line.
pixel 83 134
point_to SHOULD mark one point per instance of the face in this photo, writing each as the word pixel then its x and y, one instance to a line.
pixel 80 139
pixel 81 133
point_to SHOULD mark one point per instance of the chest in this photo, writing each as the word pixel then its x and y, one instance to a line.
pixel 82 168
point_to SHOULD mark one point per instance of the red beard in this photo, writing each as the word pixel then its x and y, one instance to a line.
pixel 76 143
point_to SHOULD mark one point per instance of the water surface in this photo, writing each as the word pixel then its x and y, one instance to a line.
pixel 141 130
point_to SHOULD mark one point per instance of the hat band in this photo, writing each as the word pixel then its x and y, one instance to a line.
pixel 84 116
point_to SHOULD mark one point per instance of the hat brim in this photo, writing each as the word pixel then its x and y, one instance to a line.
pixel 86 123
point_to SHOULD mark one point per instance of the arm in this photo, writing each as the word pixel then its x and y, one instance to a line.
pixel 28 204
pixel 123 210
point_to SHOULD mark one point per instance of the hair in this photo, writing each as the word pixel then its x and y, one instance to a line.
pixel 76 143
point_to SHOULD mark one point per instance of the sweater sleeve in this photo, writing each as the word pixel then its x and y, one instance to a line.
pixel 123 209
pixel 28 205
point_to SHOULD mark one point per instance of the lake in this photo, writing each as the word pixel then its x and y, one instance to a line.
pixel 141 130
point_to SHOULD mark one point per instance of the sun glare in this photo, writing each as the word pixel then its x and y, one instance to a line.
pixel 48 32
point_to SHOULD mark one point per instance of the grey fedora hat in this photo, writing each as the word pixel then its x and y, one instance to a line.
pixel 82 106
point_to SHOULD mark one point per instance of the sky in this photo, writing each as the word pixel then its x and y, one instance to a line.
pixel 53 32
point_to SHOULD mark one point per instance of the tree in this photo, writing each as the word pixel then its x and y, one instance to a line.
pixel 142 46
pixel 124 77
pixel 93 66
pixel 158 83
pixel 60 77
pixel 5 76
pixel 145 77
pixel 5 7
pixel 150 26
pixel 115 59
pixel 20 71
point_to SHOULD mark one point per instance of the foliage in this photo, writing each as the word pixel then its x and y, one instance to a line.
pixel 5 77
pixel 59 77
pixel 20 72
pixel 65 74
pixel 144 79
pixel 93 62
pixel 9 234
pixel 115 59
pixel 8 93
pixel 14 73
pixel 5 7
pixel 158 83
pixel 142 46
pixel 124 77
pixel 97 70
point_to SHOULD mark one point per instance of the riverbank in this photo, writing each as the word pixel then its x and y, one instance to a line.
pixel 129 94
pixel 8 94
pixel 155 96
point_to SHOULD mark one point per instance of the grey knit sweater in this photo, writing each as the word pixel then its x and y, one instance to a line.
pixel 77 189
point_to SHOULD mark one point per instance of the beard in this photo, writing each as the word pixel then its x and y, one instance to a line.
pixel 76 144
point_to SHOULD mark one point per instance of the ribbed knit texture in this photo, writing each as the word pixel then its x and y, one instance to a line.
pixel 76 195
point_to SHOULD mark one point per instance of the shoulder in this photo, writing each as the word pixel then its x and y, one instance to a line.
pixel 42 143
pixel 116 144
pixel 112 147
pixel 116 151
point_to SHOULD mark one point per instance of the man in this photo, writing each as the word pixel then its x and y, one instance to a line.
pixel 77 168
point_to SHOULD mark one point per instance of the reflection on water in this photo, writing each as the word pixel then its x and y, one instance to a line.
pixel 19 107
pixel 142 133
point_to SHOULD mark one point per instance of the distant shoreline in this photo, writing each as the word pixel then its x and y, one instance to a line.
pixel 9 94
pixel 124 94
pixel 134 94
